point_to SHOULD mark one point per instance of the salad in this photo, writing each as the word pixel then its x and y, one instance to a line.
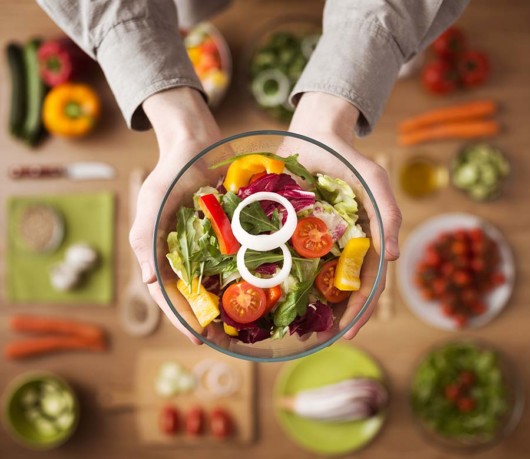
pixel 460 393
pixel 270 250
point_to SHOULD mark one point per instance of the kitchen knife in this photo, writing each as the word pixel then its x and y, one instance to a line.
pixel 74 171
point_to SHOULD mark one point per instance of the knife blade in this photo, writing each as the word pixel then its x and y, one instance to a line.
pixel 74 171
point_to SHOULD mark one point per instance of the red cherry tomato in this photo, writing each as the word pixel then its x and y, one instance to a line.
pixel 169 420
pixel 465 404
pixel 451 392
pixel 473 68
pixel 324 283
pixel 439 77
pixel 450 43
pixel 272 294
pixel 195 421
pixel 311 238
pixel 244 303
pixel 221 423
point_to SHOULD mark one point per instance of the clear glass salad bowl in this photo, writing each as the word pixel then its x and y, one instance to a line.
pixel 317 158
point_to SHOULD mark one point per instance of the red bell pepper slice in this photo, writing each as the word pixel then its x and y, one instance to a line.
pixel 222 228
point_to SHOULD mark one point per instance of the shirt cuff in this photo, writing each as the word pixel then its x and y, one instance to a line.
pixel 139 59
pixel 357 61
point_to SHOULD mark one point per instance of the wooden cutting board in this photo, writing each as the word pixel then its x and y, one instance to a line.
pixel 148 404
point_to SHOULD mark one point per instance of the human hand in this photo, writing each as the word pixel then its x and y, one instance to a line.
pixel 331 120
pixel 183 126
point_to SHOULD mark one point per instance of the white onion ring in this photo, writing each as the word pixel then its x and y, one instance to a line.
pixel 209 374
pixel 264 242
pixel 258 281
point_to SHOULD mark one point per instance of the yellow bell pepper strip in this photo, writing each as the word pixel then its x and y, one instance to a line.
pixel 242 169
pixel 348 271
pixel 228 244
pixel 229 330
pixel 71 110
pixel 205 305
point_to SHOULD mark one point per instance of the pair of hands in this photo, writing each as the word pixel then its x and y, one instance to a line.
pixel 184 126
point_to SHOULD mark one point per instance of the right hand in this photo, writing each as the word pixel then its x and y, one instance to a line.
pixel 184 126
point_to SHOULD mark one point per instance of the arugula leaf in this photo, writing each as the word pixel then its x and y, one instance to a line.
pixel 185 235
pixel 253 218
pixel 305 268
pixel 291 163
pixel 295 304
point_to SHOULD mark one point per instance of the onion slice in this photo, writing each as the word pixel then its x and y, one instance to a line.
pixel 277 279
pixel 264 242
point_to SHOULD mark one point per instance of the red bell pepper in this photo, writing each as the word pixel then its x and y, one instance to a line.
pixel 60 61
pixel 222 228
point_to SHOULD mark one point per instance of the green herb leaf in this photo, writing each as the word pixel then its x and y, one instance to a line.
pixel 295 304
pixel 186 234
pixel 252 217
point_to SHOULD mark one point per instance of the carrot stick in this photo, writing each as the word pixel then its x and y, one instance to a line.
pixel 40 324
pixel 48 344
pixel 467 130
pixel 471 110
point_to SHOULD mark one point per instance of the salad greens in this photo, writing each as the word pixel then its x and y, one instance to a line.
pixel 253 218
pixel 295 304
pixel 440 369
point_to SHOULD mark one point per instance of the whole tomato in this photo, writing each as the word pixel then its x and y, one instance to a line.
pixel 450 43
pixel 473 68
pixel 439 77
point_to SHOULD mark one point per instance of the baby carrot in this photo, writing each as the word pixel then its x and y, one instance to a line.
pixel 463 130
pixel 463 112
pixel 40 324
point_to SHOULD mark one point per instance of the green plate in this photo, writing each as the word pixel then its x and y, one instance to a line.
pixel 328 366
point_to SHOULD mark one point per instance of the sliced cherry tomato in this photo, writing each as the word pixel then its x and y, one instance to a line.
pixel 311 238
pixel 169 420
pixel 451 392
pixel 473 68
pixel 450 43
pixel 465 404
pixel 195 421
pixel 244 303
pixel 221 423
pixel 440 77
pixel 272 294
pixel 324 283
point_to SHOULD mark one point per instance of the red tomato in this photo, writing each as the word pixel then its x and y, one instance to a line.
pixel 272 295
pixel 465 404
pixel 466 378
pixel 498 279
pixel 324 283
pixel 451 392
pixel 244 303
pixel 221 423
pixel 473 68
pixel 208 46
pixel 450 43
pixel 169 420
pixel 311 238
pixel 439 77
pixel 195 421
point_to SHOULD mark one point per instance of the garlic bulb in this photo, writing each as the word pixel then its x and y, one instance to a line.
pixel 63 277
pixel 81 256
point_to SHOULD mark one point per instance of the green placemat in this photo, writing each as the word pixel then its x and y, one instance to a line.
pixel 87 218
pixel 329 366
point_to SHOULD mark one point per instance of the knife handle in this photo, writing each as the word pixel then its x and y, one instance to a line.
pixel 33 172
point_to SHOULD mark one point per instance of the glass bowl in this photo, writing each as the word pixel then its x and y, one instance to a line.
pixel 513 398
pixel 317 157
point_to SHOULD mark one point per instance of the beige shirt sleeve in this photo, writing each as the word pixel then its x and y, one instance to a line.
pixel 136 43
pixel 363 45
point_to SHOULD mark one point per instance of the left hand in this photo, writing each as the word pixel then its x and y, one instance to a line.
pixel 331 120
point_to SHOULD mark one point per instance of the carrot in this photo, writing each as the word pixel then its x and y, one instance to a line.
pixel 471 110
pixel 40 324
pixel 464 130
pixel 48 344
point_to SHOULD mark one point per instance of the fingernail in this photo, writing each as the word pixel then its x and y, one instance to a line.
pixel 392 246
pixel 146 272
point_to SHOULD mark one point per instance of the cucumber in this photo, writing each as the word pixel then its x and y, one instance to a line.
pixel 32 129
pixel 17 113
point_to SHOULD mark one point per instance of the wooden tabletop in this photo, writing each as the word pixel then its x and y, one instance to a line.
pixel 500 28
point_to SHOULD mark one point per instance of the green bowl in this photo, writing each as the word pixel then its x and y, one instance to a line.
pixel 20 427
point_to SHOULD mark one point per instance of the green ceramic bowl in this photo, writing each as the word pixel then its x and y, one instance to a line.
pixel 17 423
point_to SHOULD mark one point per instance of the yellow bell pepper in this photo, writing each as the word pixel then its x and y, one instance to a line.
pixel 348 270
pixel 229 330
pixel 205 305
pixel 242 169
pixel 71 110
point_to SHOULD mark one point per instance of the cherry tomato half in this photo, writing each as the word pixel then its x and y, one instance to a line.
pixel 194 421
pixel 244 303
pixel 221 423
pixel 324 283
pixel 272 294
pixel 311 238
pixel 169 420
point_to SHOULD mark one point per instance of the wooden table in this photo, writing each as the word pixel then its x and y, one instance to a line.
pixel 501 28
